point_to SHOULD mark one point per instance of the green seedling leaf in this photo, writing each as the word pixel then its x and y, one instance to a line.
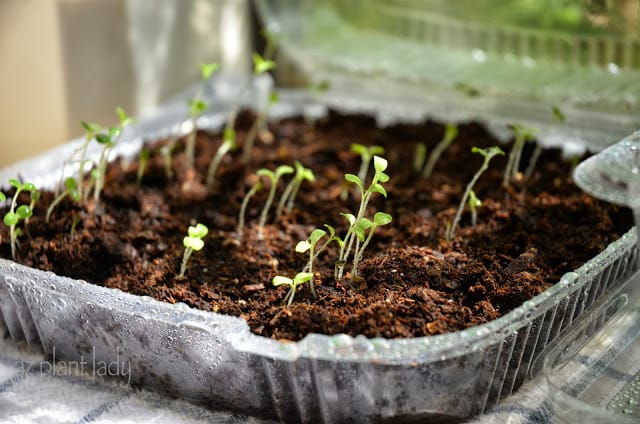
pixel 24 212
pixel 355 180
pixel 379 189
pixel 489 152
pixel 361 226
pixel 303 246
pixel 35 196
pixel 10 218
pixel 15 183
pixel 450 132
pixel 382 177
pixel 332 231
pixel 2 197
pixel 557 113
pixel 103 138
pixel 279 280
pixel 316 235
pixel 381 218
pixel 263 172
pixel 302 277
pixel 197 106
pixel 350 217
pixel 379 164
pixel 474 202
pixel 261 65
pixel 123 117
pixel 274 97
pixel 29 187
pixel 307 174
pixel 207 69
pixel 193 243
pixel 283 170
pixel 199 231
pixel 359 149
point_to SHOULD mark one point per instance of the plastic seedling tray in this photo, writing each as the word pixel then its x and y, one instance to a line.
pixel 215 359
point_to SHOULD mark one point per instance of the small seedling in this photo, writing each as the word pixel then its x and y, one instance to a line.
pixel 474 205
pixel 558 116
pixel 522 135
pixel 228 145
pixel 450 134
pixel 419 156
pixel 196 106
pixel 91 130
pixel 192 242
pixel 167 151
pixel 260 67
pixel 293 283
pixel 243 209
pixel 143 161
pixel 310 244
pixel 487 154
pixel 291 190
pixel 356 222
pixel 17 213
pixel 366 154
pixel 273 177
pixel 108 139
pixel 262 64
pixel 379 219
pixel 71 190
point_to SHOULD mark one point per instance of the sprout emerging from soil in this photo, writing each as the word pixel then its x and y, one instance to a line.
pixel 356 222
pixel 366 154
pixel 474 205
pixel 192 242
pixel 273 177
pixel 17 213
pixel 228 145
pixel 310 245
pixel 71 190
pixel 143 161
pixel 522 135
pixel 167 151
pixel 291 190
pixel 293 283
pixel 258 125
pixel 488 154
pixel 243 209
pixel 450 134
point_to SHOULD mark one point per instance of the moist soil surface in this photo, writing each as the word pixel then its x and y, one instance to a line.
pixel 412 282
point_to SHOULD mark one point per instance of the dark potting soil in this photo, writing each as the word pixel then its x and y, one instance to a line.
pixel 412 281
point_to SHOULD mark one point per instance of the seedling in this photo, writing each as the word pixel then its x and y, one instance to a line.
pixel 291 190
pixel 474 205
pixel 167 151
pixel 310 244
pixel 143 161
pixel 273 177
pixel 355 222
pixel 260 66
pixel 243 208
pixel 487 154
pixel 558 116
pixel 419 156
pixel 91 130
pixel 196 106
pixel 35 196
pixel 366 154
pixel 71 190
pixel 228 145
pixel 293 283
pixel 522 135
pixel 192 242
pixel 22 212
pixel 379 219
pixel 108 139
pixel 450 134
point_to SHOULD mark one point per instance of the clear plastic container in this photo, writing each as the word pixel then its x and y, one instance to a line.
pixel 592 372
pixel 495 61
pixel 216 360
